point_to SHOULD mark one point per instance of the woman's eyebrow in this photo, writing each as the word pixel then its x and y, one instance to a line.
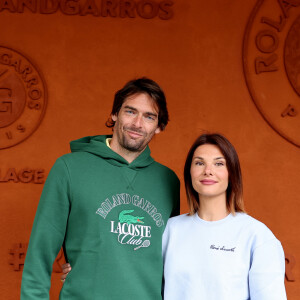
pixel 199 157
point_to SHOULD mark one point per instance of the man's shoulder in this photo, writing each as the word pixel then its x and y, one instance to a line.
pixel 75 157
pixel 164 169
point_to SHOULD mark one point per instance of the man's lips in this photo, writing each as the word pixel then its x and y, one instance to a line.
pixel 134 134
pixel 208 181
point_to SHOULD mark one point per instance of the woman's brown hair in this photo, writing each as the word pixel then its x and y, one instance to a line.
pixel 234 192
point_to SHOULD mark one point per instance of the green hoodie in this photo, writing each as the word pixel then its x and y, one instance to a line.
pixel 109 216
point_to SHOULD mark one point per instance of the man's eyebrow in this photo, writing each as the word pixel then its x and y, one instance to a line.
pixel 134 109
pixel 130 107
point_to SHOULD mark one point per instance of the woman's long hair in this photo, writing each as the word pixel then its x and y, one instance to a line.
pixel 234 192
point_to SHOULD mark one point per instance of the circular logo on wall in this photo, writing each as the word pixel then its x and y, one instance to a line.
pixel 23 97
pixel 271 57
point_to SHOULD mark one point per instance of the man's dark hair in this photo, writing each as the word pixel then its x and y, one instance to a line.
pixel 141 86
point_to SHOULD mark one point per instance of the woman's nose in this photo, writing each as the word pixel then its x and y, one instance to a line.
pixel 208 170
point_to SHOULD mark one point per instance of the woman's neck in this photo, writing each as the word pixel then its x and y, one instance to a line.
pixel 213 209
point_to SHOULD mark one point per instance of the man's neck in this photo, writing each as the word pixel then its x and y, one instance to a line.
pixel 128 155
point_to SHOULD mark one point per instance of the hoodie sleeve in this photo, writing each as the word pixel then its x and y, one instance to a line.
pixel 47 234
pixel 176 198
pixel 266 275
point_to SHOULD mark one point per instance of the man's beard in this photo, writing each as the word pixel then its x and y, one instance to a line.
pixel 131 144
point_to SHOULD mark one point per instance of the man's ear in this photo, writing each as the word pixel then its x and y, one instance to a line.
pixel 157 130
pixel 114 117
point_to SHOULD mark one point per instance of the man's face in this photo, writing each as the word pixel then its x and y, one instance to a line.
pixel 136 122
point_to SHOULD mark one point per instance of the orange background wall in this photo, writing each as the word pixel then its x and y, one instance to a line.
pixel 196 56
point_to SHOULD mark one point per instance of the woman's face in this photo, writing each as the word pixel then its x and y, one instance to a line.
pixel 209 172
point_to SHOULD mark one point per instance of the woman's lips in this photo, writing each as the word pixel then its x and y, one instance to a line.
pixel 208 181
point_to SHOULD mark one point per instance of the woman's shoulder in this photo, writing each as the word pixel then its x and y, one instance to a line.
pixel 180 220
pixel 252 222
pixel 260 232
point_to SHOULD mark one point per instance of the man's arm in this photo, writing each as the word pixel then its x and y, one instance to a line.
pixel 176 199
pixel 66 269
pixel 48 233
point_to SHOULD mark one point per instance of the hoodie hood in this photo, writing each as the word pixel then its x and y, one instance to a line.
pixel 97 145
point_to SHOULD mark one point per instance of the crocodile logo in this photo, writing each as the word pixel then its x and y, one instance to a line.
pixel 131 230
pixel 124 217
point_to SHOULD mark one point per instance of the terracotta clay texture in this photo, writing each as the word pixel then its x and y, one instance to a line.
pixel 221 71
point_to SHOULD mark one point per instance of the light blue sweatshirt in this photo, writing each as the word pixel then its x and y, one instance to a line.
pixel 236 258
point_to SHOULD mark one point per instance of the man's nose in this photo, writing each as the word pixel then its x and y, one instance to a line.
pixel 138 121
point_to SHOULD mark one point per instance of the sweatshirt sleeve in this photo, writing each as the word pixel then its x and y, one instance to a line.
pixel 165 240
pixel 266 275
pixel 47 233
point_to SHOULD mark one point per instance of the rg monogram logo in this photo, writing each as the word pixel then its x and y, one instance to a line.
pixel 272 64
pixel 23 98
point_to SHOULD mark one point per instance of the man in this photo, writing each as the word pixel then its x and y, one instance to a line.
pixel 107 203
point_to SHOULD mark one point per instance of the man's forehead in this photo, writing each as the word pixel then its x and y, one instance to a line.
pixel 141 101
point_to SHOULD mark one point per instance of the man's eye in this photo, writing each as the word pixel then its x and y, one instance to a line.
pixel 129 111
pixel 150 118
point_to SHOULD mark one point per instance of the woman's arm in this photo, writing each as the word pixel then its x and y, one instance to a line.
pixel 266 275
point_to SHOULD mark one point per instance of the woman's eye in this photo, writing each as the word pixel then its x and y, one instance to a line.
pixel 199 163
pixel 219 164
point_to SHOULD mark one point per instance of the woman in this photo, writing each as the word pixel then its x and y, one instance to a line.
pixel 217 251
